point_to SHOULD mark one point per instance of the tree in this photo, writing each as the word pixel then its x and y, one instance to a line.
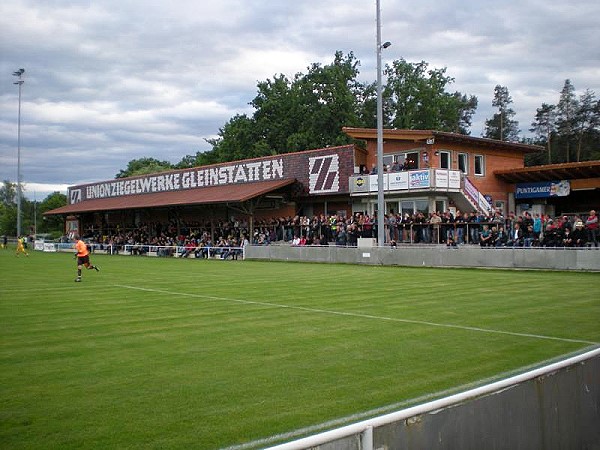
pixel 144 166
pixel 308 111
pixel 238 139
pixel 565 118
pixel 327 99
pixel 502 126
pixel 415 97
pixel 544 125
pixel 587 119
pixel 53 222
pixel 8 208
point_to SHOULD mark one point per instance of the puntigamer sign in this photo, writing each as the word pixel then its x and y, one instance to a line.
pixel 543 189
pixel 248 172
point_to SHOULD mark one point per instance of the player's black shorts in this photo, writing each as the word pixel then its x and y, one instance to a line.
pixel 82 260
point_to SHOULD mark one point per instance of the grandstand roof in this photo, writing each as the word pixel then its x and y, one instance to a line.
pixel 551 172
pixel 233 193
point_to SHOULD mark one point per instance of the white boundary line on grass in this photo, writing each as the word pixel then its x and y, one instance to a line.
pixel 378 411
pixel 363 316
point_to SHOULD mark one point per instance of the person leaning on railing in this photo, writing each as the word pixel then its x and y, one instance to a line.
pixel 591 226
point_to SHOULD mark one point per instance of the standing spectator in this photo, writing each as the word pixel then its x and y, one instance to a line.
pixel 591 226
pixel 473 227
pixel 460 226
pixel 4 241
pixel 435 221
pixel 537 227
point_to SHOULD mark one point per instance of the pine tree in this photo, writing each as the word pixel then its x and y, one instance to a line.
pixel 544 125
pixel 502 126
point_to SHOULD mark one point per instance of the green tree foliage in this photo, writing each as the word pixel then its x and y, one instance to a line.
pixel 415 97
pixel 8 208
pixel 144 166
pixel 587 125
pixel 543 126
pixel 310 110
pixel 502 126
pixel 566 112
pixel 570 130
pixel 31 212
pixel 8 193
pixel 306 112
pixel 53 223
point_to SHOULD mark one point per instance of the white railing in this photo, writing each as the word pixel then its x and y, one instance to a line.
pixel 180 251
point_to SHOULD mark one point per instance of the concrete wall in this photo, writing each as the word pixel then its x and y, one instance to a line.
pixel 437 256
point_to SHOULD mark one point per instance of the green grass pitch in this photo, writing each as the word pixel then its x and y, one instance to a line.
pixel 178 354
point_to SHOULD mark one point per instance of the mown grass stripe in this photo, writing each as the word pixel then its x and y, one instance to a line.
pixel 358 315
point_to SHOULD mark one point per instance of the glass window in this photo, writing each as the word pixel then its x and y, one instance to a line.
pixel 408 207
pixel 444 160
pixel 422 206
pixel 440 206
pixel 391 207
pixel 463 162
pixel 479 165
pixel 388 160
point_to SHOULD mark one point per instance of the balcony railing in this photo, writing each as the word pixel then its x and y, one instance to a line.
pixel 438 180
pixel 410 180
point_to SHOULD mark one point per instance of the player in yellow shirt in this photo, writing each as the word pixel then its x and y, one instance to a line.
pixel 83 257
pixel 21 247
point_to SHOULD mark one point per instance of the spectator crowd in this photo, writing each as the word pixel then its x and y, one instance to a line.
pixel 225 238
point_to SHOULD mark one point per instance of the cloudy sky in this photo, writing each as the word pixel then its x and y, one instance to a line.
pixel 108 81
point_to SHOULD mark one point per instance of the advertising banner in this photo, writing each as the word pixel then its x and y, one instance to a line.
pixel 441 178
pixel 419 179
pixel 454 179
pixel 543 189
pixel 398 181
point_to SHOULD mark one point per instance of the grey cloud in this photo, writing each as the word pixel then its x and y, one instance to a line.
pixel 111 81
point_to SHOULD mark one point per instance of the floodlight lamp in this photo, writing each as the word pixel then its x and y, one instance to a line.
pixel 386 44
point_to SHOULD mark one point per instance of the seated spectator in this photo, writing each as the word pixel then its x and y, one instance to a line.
pixel 485 237
pixel 188 249
pixel 579 236
pixel 551 236
pixel 567 239
pixel 500 236
pixel 516 236
pixel 528 236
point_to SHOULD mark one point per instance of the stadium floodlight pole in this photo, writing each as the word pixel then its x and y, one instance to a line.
pixel 380 202
pixel 19 73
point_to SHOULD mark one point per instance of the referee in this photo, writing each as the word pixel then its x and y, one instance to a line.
pixel 83 257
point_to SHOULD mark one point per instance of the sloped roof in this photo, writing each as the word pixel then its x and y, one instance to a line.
pixel 551 172
pixel 232 193
pixel 443 136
